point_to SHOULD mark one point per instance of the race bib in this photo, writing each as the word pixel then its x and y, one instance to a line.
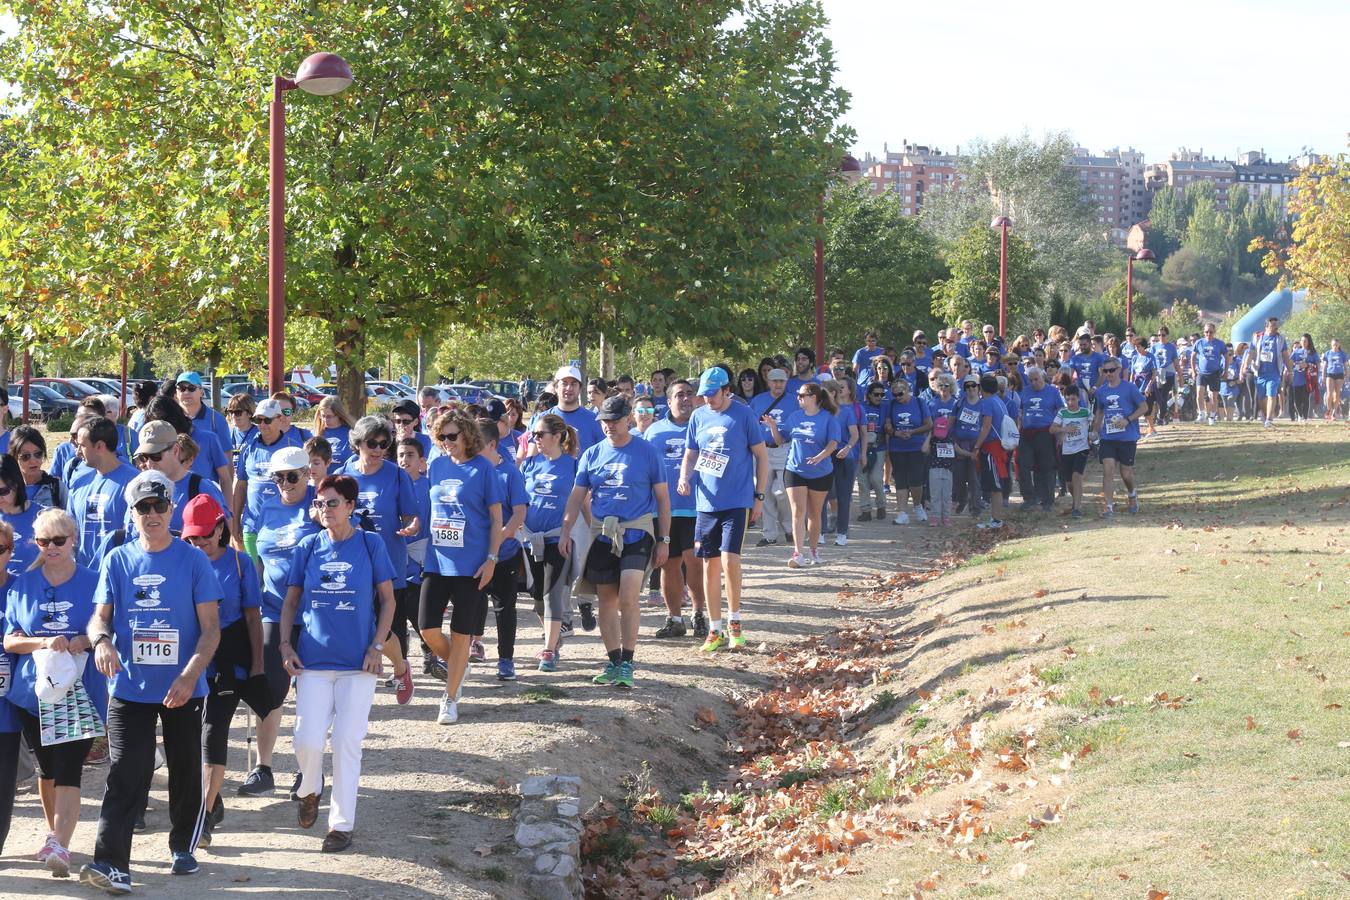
pixel 1115 426
pixel 155 647
pixel 4 674
pixel 1267 356
pixel 447 532
pixel 946 451
pixel 711 463
pixel 970 416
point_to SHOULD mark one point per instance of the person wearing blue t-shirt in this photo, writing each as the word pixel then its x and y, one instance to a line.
pixel 1304 361
pixel 843 392
pixel 189 395
pixel 412 459
pixel 334 424
pixel 1120 405
pixel 778 402
pixel 19 510
pixel 162 449
pixel 1086 364
pixel 340 592
pixel 1036 457
pixel 863 356
pixel 872 466
pixel 1333 375
pixel 626 482
pixel 1165 357
pixel 384 493
pixel 983 413
pixel 504 587
pixel 811 434
pixel 1211 359
pixel 1272 362
pixel 466 535
pixel 549 477
pixel 96 500
pixel 155 629
pixel 726 468
pixel 11 729
pixel 46 609
pixel 252 488
pixel 906 423
pixel 582 420
pixel 239 413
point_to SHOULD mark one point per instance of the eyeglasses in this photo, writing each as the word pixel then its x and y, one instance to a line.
pixel 326 504
pixel 146 507
pixel 5 548
pixel 5 490
pixel 32 454
pixel 59 540
pixel 262 420
pixel 236 412
pixel 403 421
pixel 186 387
pixel 152 457
pixel 805 394
pixel 198 538
pixel 286 477
pixel 377 445
pixel 286 411
pixel 537 435
pixel 972 387
pixel 448 436
pixel 1106 371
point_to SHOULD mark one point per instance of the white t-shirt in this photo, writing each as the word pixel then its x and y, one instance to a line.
pixel 1077 423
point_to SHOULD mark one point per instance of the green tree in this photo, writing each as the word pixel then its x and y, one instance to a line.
pixel 1193 273
pixel 1315 257
pixel 971 291
pixel 1167 222
pixel 1182 317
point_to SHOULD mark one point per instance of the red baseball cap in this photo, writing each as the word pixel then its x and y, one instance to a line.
pixel 201 515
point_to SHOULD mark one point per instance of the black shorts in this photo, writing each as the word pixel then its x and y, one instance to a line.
pixel 909 468
pixel 1071 464
pixel 278 679
pixel 794 479
pixel 681 535
pixel 603 567
pixel 469 612
pixel 990 478
pixel 1121 451
pixel 62 763
pixel 720 532
pixel 1212 380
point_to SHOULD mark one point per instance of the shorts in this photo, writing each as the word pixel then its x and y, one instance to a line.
pixel 994 469
pixel 796 479
pixel 278 679
pixel 217 713
pixel 1071 464
pixel 681 535
pixel 1211 380
pixel 603 567
pixel 469 613
pixel 1268 387
pixel 61 763
pixel 908 468
pixel 720 532
pixel 1121 451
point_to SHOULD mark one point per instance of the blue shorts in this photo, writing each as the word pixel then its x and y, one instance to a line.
pixel 1268 387
pixel 720 532
pixel 1121 451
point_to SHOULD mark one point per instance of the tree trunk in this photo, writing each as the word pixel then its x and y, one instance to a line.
pixel 217 386
pixel 349 351
pixel 7 356
pixel 421 363
pixel 582 356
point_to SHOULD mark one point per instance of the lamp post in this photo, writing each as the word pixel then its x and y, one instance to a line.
pixel 1002 223
pixel 1144 255
pixel 322 74
pixel 852 170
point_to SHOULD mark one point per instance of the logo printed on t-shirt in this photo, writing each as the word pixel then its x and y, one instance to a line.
pixel 543 483
pixel 614 474
pixel 147 596
pixel 334 577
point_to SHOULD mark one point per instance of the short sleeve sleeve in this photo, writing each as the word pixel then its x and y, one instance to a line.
pixel 382 569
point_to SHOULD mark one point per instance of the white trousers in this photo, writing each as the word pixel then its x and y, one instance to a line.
pixel 339 700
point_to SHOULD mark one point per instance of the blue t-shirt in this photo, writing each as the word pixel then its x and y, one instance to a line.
pixel 25 551
pixel 668 438
pixel 338 605
pixel 873 420
pixel 280 529
pixel 61 457
pixel 938 407
pixel 1303 361
pixel 417 544
pixel 513 494
pixel 38 609
pixel 211 453
pixel 1039 407
pixel 461 495
pixel 9 713
pixel 586 424
pixel 993 407
pixel 807 436
pixel 254 465
pixel 862 358
pixel 1333 362
pixel 1086 365
pixel 207 419
pixel 47 491
pixel 237 439
pixel 384 497
pixel 239 589
pixel 1141 369
pixel 1121 400
pixel 1013 404
pixel 340 440
pixel 154 598
pixel 966 428
pixel 549 482
pixel 506 446
pixel 724 468
pixel 1209 355
pixel 99 507
pixel 181 490
pixel 905 416
pixel 1270 355
pixel 621 481
pixel 848 417
pixel 760 403
pixel 1164 358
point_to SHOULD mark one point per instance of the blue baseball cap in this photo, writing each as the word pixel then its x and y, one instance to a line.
pixel 190 377
pixel 712 380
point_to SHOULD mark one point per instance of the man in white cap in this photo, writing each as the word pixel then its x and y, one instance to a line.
pixel 252 468
pixel 778 402
pixel 726 466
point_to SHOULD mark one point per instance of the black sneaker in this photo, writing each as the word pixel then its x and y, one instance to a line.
pixel 258 783
pixel 587 616
pixel 765 542
pixel 865 516
pixel 700 624
pixel 295 787
pixel 674 628
pixel 435 667
pixel 204 841
pixel 138 826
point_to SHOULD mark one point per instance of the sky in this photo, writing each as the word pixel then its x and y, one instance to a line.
pixel 1222 75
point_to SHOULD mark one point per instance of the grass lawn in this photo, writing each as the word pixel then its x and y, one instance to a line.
pixel 1230 594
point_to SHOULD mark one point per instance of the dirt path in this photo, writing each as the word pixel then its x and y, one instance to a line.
pixel 431 796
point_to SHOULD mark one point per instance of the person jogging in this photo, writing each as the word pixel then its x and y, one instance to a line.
pixel 1119 407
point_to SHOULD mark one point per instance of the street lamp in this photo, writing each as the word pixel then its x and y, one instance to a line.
pixel 851 169
pixel 322 74
pixel 1002 223
pixel 1144 255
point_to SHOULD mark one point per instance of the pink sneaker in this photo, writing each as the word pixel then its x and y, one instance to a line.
pixel 58 861
pixel 50 844
pixel 946 522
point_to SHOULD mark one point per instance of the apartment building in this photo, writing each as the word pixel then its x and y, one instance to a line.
pixel 1185 168
pixel 1114 182
pixel 910 173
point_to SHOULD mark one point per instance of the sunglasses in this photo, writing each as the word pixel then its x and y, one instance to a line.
pixel 5 490
pixel 187 387
pixel 377 445
pixel 1110 370
pixel 326 504
pixel 59 540
pixel 404 422
pixel 286 477
pixel 152 457
pixel 5 548
pixel 645 411
pixel 32 454
pixel 537 434
pixel 146 507
pixel 286 411
pixel 262 420
pixel 805 394
pixel 236 412
pixel 448 436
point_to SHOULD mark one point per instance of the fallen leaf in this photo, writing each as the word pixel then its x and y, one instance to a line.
pixel 1294 734
pixel 1041 593
pixel 1155 894
pixel 1251 724
pixel 1122 876
pixel 706 717
pixel 483 850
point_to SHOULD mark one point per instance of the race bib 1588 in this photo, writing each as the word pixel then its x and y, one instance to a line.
pixel 447 532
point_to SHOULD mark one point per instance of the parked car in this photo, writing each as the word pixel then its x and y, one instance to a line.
pixel 397 388
pixel 42 401
pixel 112 387
pixel 499 387
pixel 377 396
pixel 257 392
pixel 70 388
pixel 465 393
pixel 16 408
pixel 303 393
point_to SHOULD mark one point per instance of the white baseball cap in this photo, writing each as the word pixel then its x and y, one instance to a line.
pixel 568 372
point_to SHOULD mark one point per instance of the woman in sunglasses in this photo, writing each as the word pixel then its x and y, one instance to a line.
pixel 334 424
pixel 549 476
pixel 252 488
pixel 29 448
pixel 11 726
pixel 812 435
pixel 340 597
pixel 48 607
pixel 239 413
pixel 748 385
pixel 19 511
pixel 871 468
pixel 407 418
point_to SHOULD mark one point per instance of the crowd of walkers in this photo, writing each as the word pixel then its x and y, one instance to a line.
pixel 157 575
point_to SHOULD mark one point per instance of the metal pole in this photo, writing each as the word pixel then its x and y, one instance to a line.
pixel 1129 291
pixel 1003 282
pixel 820 287
pixel 276 238
pixel 27 381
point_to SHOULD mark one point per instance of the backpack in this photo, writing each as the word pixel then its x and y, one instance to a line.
pixel 942 426
pixel 1008 434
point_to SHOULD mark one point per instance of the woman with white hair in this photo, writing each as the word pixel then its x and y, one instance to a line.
pixel 1036 460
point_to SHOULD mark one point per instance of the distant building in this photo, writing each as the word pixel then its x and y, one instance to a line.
pixel 910 174
pixel 1186 167
pixel 1261 178
pixel 1114 182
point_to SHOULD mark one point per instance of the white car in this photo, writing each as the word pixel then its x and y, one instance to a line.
pixel 15 409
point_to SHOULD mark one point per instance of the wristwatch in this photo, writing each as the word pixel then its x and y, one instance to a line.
pixel 759 495
pixel 665 539
pixel 100 639
pixel 494 557
pixel 377 647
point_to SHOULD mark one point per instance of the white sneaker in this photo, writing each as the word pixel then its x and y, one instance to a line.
pixel 902 519
pixel 797 561
pixel 841 540
pixel 449 713
pixel 920 514
pixel 1268 424
pixel 815 557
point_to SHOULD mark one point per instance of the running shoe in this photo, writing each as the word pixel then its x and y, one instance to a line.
pixel 990 525
pixel 815 558
pixel 506 670
pixel 1108 513
pixel 449 712
pixel 258 782
pixel 946 522
pixel 841 540
pixel 587 611
pixel 98 752
pixel 609 676
pixel 205 840
pixel 798 561
pixel 765 542
pixel 565 631
pixel 1076 513
pixel 403 685
pixel 625 677
pixel 138 825
pixel 735 640
pixel 700 624
pixel 48 846
pixel 674 628
pixel 1133 508
pixel 58 861
pixel 106 877
pixel 435 667
pixel 476 651
pixel 654 598
pixel 548 661
pixel 865 516
pixel 217 813
pixel 920 514
pixel 716 641
pixel 902 518
pixel 184 863
pixel 1268 424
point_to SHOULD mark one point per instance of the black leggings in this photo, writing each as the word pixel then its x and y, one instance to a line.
pixel 217 713
pixel 1166 384
pixel 62 763
pixel 406 601
pixel 9 769
pixel 1300 396
pixel 503 590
